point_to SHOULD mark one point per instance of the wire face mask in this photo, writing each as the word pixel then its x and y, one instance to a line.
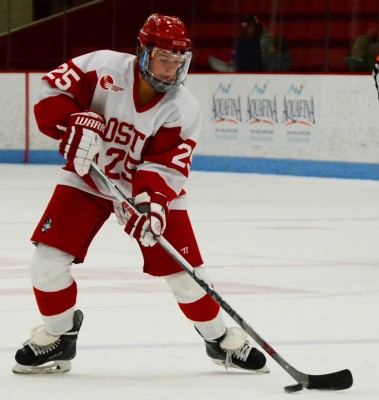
pixel 170 67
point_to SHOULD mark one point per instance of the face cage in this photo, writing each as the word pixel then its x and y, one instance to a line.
pixel 158 84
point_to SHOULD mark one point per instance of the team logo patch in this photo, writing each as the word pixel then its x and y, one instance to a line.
pixel 107 83
pixel 47 225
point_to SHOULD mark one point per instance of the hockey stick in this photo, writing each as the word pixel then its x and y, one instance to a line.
pixel 333 381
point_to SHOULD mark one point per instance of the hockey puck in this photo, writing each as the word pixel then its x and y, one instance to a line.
pixel 294 388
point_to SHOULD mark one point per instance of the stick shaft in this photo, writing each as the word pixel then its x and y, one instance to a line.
pixel 187 267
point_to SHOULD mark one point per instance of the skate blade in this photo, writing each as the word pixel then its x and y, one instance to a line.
pixel 263 370
pixel 57 367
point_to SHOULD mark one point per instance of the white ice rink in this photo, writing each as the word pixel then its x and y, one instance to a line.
pixel 298 258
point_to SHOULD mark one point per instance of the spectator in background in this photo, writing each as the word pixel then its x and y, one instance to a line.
pixel 279 58
pixel 361 59
pixel 266 45
pixel 252 46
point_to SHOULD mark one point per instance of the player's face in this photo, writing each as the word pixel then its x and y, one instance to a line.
pixel 164 64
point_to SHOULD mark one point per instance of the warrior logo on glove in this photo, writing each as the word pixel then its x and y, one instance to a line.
pixel 158 226
pixel 90 122
pixel 81 141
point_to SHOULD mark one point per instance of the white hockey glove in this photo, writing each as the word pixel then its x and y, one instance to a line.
pixel 81 141
pixel 150 220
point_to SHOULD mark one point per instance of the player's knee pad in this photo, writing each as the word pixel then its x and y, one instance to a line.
pixel 184 288
pixel 50 268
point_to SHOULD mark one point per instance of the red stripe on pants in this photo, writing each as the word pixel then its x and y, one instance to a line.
pixel 201 310
pixel 53 303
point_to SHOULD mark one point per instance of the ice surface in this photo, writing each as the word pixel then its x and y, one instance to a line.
pixel 298 258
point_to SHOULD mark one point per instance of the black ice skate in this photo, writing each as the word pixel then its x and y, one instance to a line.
pixel 234 350
pixel 43 353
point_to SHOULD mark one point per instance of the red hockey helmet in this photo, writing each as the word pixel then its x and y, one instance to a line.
pixel 167 34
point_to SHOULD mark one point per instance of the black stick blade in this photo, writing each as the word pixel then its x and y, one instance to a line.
pixel 335 381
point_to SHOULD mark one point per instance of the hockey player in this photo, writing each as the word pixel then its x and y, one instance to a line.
pixel 134 116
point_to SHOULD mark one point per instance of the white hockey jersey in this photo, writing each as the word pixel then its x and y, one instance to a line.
pixel 144 147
